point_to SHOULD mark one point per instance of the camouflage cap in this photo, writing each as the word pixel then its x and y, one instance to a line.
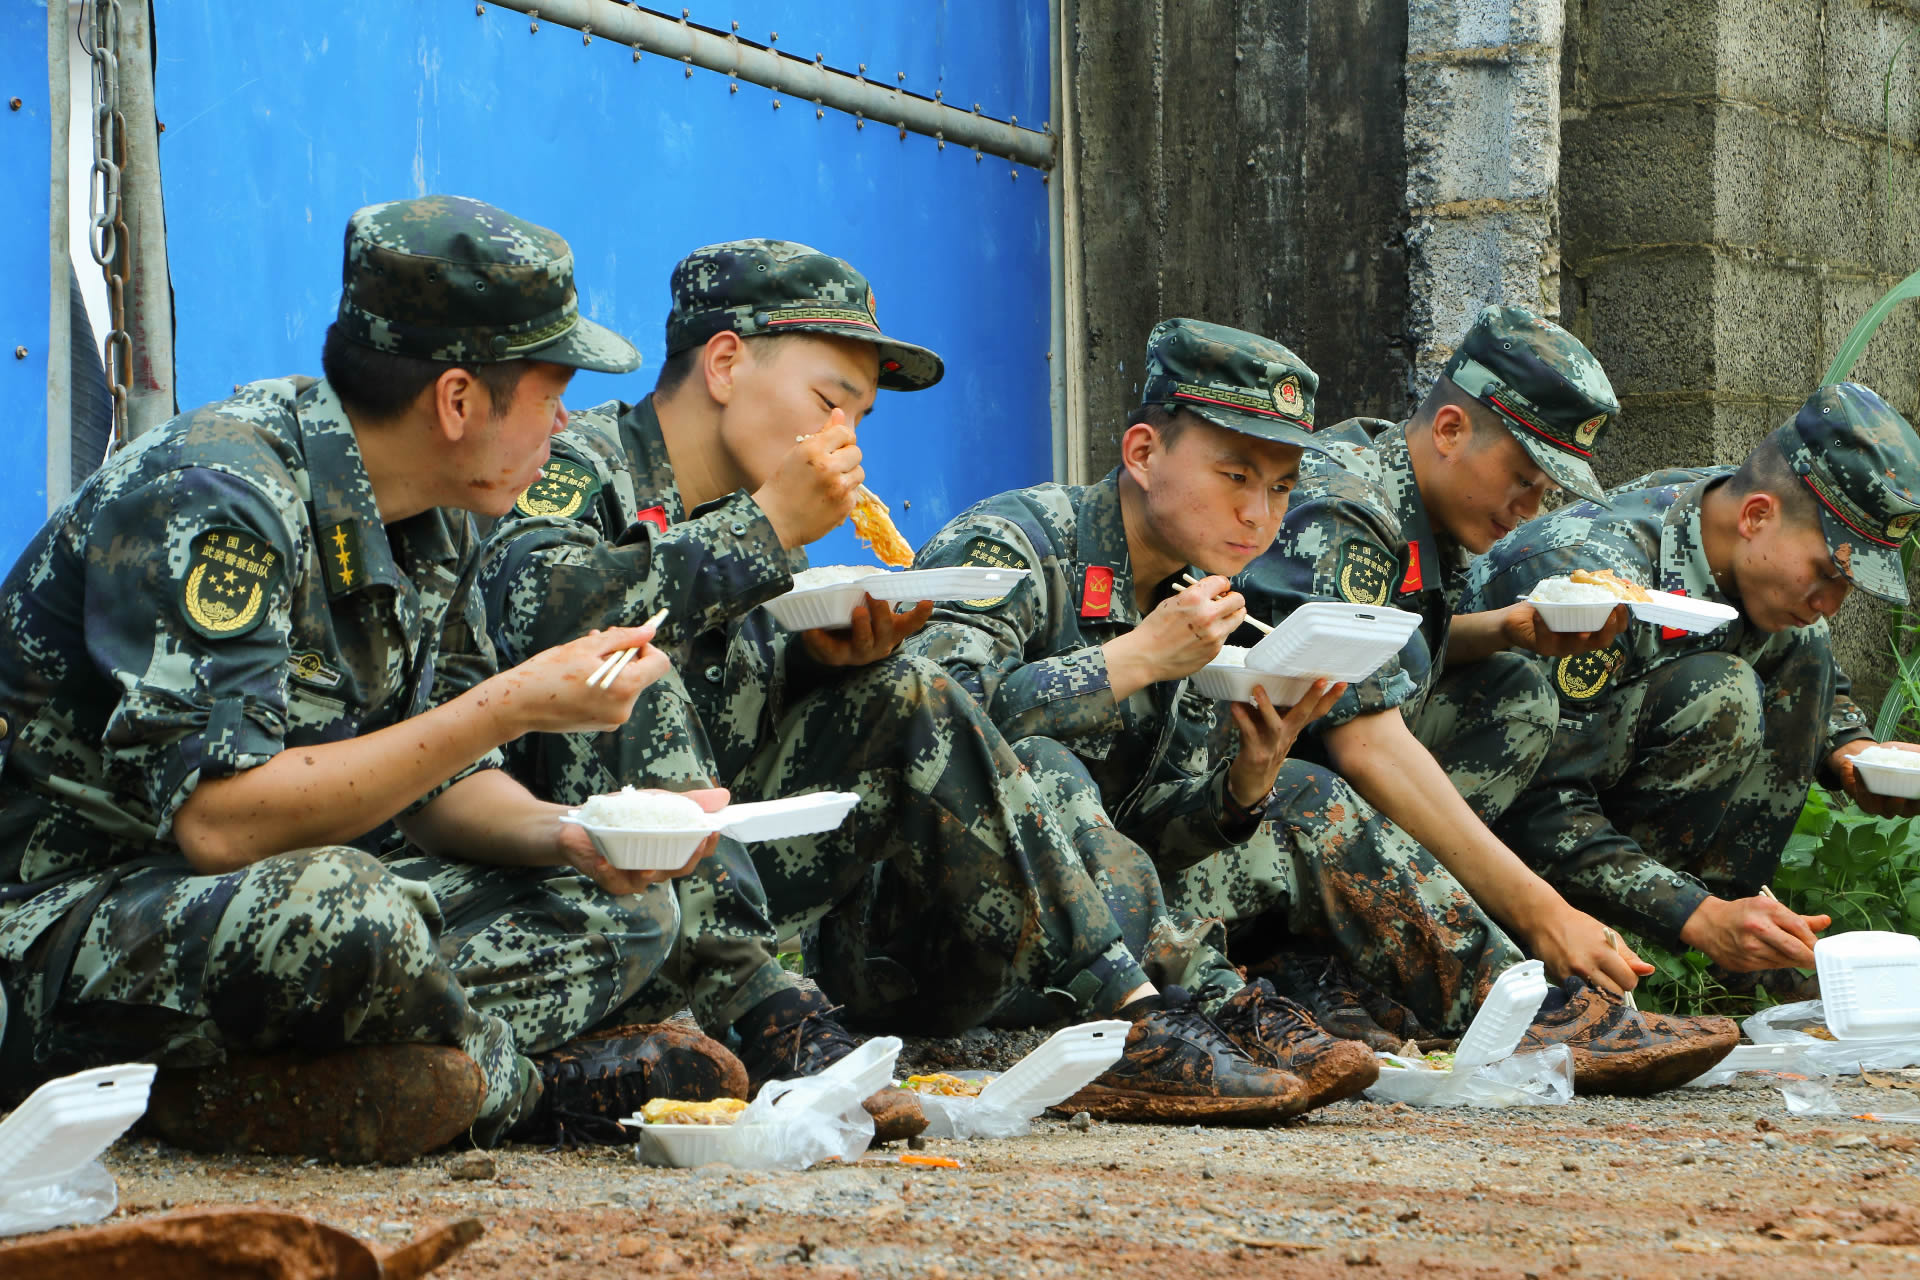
pixel 1233 379
pixel 756 287
pixel 1547 387
pixel 1862 461
pixel 448 278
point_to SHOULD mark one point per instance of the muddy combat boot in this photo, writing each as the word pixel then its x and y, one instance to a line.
pixel 1179 1068
pixel 370 1104
pixel 1276 1032
pixel 1622 1051
pixel 1786 986
pixel 591 1084
pixel 792 1033
pixel 1334 998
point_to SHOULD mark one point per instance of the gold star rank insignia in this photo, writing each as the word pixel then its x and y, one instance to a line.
pixel 564 489
pixel 340 561
pixel 230 577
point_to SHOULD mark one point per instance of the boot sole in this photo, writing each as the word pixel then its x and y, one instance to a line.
pixel 1136 1107
pixel 374 1104
pixel 1652 1070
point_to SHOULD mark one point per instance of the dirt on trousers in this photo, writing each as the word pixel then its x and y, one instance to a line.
pixel 1693 1184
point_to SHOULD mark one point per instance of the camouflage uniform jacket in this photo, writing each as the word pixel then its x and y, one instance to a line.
pixel 220 591
pixel 1357 530
pixel 602 539
pixel 1032 658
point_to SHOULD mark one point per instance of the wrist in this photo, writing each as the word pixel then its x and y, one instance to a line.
pixel 776 516
pixel 1699 925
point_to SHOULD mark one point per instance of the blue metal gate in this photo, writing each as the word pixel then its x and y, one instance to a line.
pixel 280 120
pixel 26 158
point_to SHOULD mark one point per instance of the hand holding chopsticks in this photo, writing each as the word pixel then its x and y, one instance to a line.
pixel 1262 627
pixel 607 672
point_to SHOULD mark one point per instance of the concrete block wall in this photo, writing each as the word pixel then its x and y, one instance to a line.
pixel 1483 165
pixel 1727 216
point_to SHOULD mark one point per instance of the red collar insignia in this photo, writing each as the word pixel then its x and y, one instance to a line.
pixel 655 516
pixel 1096 595
pixel 1412 582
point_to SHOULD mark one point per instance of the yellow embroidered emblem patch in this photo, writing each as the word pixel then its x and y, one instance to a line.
pixel 1587 432
pixel 986 553
pixel 1364 572
pixel 229 578
pixel 1583 676
pixel 563 489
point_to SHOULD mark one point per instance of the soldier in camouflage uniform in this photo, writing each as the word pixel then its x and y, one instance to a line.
pixel 1084 664
pixel 1683 760
pixel 250 640
pixel 1444 739
pixel 952 882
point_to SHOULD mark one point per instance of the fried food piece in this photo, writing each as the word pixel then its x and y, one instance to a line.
pixel 673 1111
pixel 1612 581
pixel 946 1086
pixel 873 527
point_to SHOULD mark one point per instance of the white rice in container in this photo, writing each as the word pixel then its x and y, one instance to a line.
pixel 1231 655
pixel 832 575
pixel 1893 757
pixel 1567 591
pixel 630 810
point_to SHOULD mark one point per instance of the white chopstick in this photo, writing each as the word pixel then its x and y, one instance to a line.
pixel 1265 629
pixel 608 671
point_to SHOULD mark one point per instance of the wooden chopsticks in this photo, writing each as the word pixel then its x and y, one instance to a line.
pixel 1263 628
pixel 604 675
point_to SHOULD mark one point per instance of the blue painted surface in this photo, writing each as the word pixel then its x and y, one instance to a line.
pixel 26 144
pixel 279 125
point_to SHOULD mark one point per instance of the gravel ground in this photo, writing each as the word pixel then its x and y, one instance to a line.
pixel 1695 1183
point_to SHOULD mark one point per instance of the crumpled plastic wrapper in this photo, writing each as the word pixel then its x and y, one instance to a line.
pixel 796 1124
pixel 1782 1024
pixel 86 1196
pixel 1541 1079
pixel 1817 1096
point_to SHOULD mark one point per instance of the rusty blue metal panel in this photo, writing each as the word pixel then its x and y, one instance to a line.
pixel 26 146
pixel 279 123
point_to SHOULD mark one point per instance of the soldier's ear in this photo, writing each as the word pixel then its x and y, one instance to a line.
pixel 720 363
pixel 1139 445
pixel 1758 509
pixel 460 404
pixel 1452 430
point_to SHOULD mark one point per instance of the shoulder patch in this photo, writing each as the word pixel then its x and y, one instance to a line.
pixel 1364 572
pixel 1583 676
pixel 564 489
pixel 990 553
pixel 229 577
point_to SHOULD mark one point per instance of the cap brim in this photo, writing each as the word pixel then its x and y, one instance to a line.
pixel 1870 566
pixel 1278 430
pixel 1570 473
pixel 904 366
pixel 589 346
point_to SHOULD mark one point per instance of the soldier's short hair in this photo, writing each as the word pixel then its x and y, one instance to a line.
pixel 1488 427
pixel 681 363
pixel 1766 470
pixel 1170 420
pixel 382 385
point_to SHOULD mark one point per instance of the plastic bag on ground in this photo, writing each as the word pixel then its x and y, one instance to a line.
pixel 1784 1023
pixel 1542 1079
pixel 86 1195
pixel 1818 1096
pixel 796 1124
pixel 961 1117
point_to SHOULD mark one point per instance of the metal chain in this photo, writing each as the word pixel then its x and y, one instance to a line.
pixel 109 240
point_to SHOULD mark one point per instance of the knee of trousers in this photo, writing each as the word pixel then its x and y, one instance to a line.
pixel 331 925
pixel 1715 697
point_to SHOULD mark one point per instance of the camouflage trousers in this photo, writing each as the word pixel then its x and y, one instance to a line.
pixel 952 883
pixel 1490 725
pixel 723 960
pixel 1694 774
pixel 323 948
pixel 1326 865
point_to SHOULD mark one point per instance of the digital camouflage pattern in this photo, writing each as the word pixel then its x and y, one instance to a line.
pixel 1357 529
pixel 1546 386
pixel 1232 378
pixel 949 834
pixel 1680 758
pixel 1159 761
pixel 1862 461
pixel 453 279
pixel 223 590
pixel 758 287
